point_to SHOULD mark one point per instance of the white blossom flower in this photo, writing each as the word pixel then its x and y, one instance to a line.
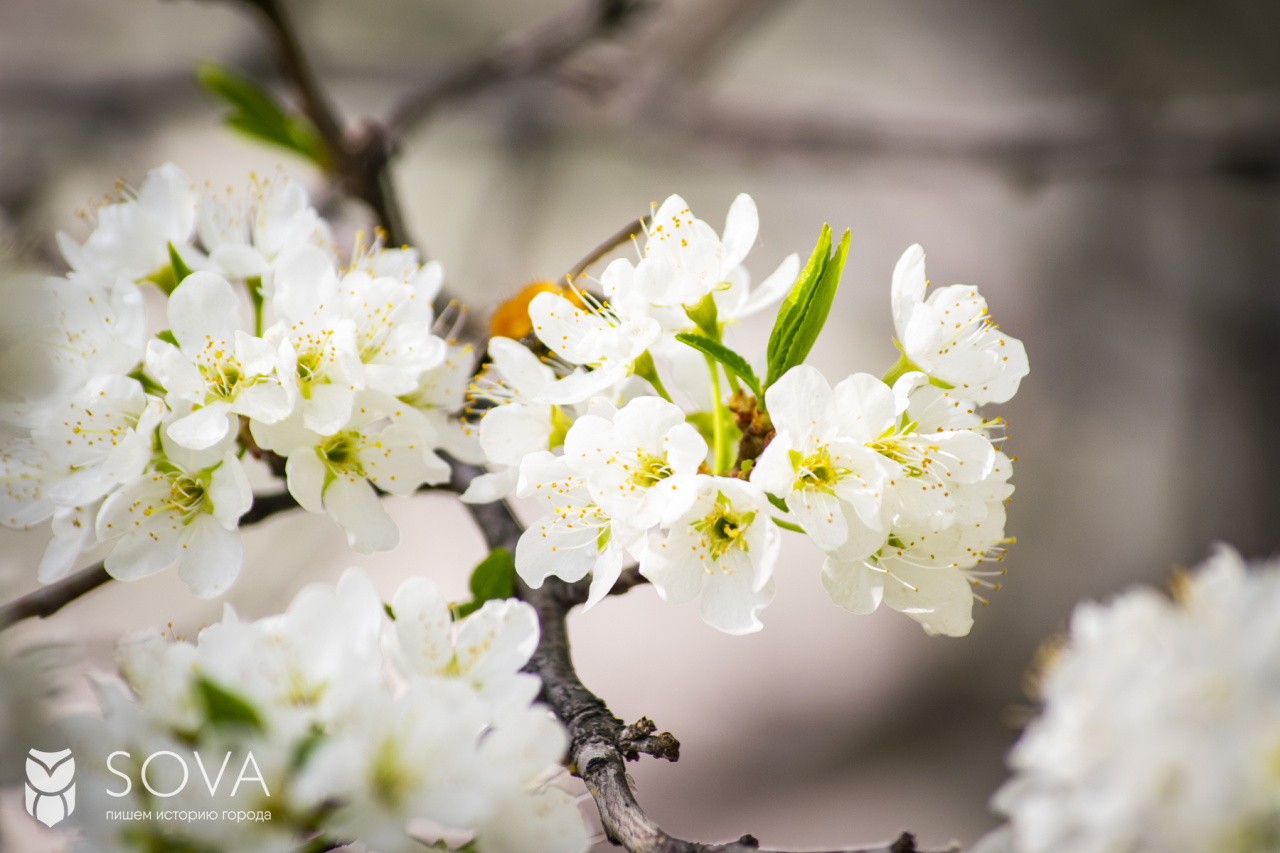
pixel 684 259
pixel 386 444
pixel 819 463
pixel 216 367
pixel 1161 723
pixel 132 238
pixel 519 424
pixel 575 536
pixel 724 547
pixel 949 336
pixel 930 574
pixel 441 396
pixel 103 437
pixel 243 237
pixel 641 465
pixel 73 534
pixel 486 650
pixel 86 329
pixel 608 338
pixel 187 509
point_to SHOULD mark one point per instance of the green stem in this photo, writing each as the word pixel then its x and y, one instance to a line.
pixel 255 296
pixel 900 367
pixel 647 370
pixel 721 446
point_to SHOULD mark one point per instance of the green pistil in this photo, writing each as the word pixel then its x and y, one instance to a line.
pixel 186 494
pixel 817 471
pixel 339 451
pixel 223 378
pixel 724 527
pixel 651 470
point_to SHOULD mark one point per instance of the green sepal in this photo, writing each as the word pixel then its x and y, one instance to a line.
pixel 222 707
pixel 705 316
pixel 778 502
pixel 804 312
pixel 644 367
pixel 735 364
pixel 149 385
pixel 168 337
pixel 179 266
pixel 494 577
pixel 258 114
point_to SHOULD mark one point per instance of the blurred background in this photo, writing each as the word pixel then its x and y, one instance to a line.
pixel 1104 170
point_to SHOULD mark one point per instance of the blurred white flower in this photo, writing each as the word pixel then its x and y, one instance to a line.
pixel 186 508
pixel 1161 723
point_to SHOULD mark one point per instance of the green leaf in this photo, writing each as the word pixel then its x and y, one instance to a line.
pixel 260 115
pixel 222 706
pixel 804 312
pixel 180 268
pixel 734 363
pixel 787 525
pixel 493 578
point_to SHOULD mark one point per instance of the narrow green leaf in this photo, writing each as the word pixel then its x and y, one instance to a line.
pixel 493 578
pixel 222 706
pixel 258 114
pixel 787 525
pixel 734 363
pixel 180 268
pixel 804 312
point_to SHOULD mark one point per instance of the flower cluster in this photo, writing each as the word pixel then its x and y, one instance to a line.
pixel 268 346
pixel 1161 723
pixel 645 436
pixel 332 721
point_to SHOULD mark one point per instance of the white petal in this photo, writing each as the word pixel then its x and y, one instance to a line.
pixel 353 504
pixel 423 625
pixel 939 599
pixel 865 406
pixel 306 474
pixel 256 356
pixel 238 261
pixel 852 585
pixel 267 402
pixel 512 431
pixel 329 408
pixel 577 387
pixel 173 370
pixel 773 288
pixel 491 487
pixel 731 605
pixel 204 306
pixel 209 556
pixel 498 639
pixel 203 428
pixel 908 286
pixel 677 580
pixel 229 492
pixel 820 515
pixel 521 370
pixel 740 230
pixel 800 402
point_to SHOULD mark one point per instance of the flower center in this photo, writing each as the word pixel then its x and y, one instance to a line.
pixel 389 778
pixel 817 470
pixel 724 527
pixel 650 469
pixel 223 375
pixel 186 494
pixel 340 450
pixel 903 446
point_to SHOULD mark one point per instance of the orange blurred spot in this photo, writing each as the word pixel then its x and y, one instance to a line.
pixel 511 319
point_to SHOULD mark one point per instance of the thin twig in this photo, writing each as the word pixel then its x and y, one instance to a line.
pixel 48 600
pixel 530 53
pixel 628 232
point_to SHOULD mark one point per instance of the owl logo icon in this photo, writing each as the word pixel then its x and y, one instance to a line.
pixel 51 786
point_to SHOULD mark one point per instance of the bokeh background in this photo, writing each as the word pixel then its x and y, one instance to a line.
pixel 1104 170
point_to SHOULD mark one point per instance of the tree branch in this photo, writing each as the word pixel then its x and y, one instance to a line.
pixel 599 743
pixel 628 232
pixel 527 54
pixel 49 599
